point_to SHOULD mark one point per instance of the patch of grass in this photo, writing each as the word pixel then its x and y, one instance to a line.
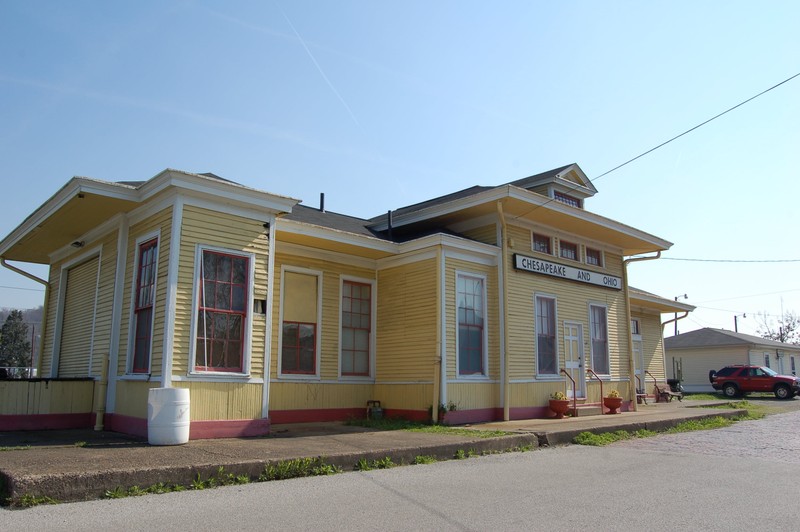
pixel 701 396
pixel 443 429
pixel 299 467
pixel 27 501
pixel 16 448
pixel 598 440
pixel 462 454
pixel 80 444
pixel 369 465
pixel 424 459
pixel 413 426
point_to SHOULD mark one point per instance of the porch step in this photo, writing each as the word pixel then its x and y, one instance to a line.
pixel 586 410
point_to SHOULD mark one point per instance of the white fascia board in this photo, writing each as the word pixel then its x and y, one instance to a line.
pixel 588 186
pixel 73 187
pixel 450 242
pixel 647 298
pixel 218 189
pixel 334 235
pixel 590 217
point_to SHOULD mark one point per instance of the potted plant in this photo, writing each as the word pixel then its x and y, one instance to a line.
pixel 612 401
pixel 559 404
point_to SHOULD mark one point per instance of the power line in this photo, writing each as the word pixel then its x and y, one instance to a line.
pixel 696 127
pixel 20 288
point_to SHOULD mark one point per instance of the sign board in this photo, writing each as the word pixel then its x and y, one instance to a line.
pixel 530 264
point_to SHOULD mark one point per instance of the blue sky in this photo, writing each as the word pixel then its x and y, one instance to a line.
pixel 380 105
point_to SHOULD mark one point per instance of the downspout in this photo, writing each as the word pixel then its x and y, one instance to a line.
pixel 626 292
pixel 44 308
pixel 505 388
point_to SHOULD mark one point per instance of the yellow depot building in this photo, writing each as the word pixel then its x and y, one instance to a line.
pixel 469 307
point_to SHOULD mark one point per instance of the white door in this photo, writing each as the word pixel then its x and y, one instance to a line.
pixel 573 346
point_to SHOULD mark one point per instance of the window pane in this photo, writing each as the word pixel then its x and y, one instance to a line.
pixel 239 271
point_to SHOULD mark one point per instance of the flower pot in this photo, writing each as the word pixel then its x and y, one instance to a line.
pixel 612 403
pixel 559 407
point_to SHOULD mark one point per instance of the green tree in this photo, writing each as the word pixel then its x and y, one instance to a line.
pixel 15 348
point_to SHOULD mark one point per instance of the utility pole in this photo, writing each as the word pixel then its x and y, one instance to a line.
pixel 736 321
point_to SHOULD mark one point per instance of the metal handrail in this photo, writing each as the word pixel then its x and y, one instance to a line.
pixel 589 370
pixel 574 395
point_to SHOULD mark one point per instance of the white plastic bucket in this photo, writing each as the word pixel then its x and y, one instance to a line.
pixel 168 416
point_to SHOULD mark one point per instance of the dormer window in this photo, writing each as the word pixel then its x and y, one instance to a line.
pixel 567 200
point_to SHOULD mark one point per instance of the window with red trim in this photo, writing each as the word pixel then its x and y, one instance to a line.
pixel 222 312
pixel 356 328
pixel 298 350
pixel 594 257
pixel 542 244
pixel 567 199
pixel 143 306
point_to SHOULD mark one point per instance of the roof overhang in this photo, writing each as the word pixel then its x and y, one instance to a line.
pixel 650 301
pixel 84 204
pixel 524 205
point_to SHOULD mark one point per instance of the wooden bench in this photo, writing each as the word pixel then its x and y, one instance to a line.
pixel 664 393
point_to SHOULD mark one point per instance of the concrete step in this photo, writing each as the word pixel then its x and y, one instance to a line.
pixel 587 410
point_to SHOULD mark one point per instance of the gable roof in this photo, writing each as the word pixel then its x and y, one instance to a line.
pixel 709 337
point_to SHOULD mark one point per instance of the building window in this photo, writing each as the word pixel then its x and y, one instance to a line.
pixel 635 327
pixel 599 325
pixel 794 369
pixel 546 353
pixel 356 328
pixel 224 281
pixel 143 305
pixel 568 250
pixel 300 314
pixel 542 244
pixel 567 200
pixel 471 320
pixel 594 257
pixel 766 359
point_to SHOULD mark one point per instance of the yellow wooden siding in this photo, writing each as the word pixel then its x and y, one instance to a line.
pixel 471 396
pixel 407 308
pixel 329 331
pixel 131 397
pixel 572 303
pixel 50 325
pixel 225 231
pixel 314 395
pixel 161 221
pixel 105 303
pixel 45 397
pixel 492 320
pixel 486 234
pixel 404 396
pixel 77 320
pixel 223 400
pixel 652 345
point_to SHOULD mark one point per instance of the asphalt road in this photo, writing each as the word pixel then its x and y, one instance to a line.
pixel 739 478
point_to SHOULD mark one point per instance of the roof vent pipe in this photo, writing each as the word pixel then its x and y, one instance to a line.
pixel 321 202
pixel 389 222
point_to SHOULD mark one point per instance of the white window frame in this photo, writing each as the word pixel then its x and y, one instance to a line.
pixel 536 297
pixel 132 315
pixel 485 339
pixel 318 340
pixel 372 335
pixel 591 338
pixel 248 327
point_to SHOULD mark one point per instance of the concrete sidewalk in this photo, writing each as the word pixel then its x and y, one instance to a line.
pixel 82 464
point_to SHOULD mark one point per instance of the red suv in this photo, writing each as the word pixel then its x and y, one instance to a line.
pixel 736 380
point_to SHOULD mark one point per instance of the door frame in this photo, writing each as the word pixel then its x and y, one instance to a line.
pixel 570 364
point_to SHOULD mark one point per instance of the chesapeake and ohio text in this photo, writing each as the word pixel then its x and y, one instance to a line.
pixel 530 264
